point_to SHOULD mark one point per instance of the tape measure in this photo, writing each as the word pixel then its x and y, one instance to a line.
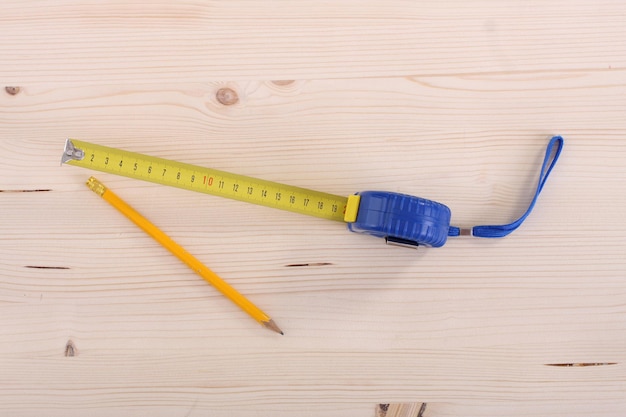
pixel 400 219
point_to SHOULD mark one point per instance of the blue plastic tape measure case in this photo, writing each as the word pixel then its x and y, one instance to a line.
pixel 405 218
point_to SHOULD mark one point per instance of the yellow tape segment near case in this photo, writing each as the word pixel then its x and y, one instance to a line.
pixel 209 181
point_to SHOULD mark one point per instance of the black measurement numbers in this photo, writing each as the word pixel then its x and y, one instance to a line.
pixel 220 184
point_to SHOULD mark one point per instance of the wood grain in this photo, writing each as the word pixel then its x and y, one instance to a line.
pixel 74 42
pixel 451 101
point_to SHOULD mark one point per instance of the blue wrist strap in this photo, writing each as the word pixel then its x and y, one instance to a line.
pixel 492 231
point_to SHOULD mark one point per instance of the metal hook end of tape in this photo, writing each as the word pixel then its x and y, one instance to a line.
pixel 71 153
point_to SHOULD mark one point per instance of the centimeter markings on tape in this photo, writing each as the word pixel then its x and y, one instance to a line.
pixel 204 180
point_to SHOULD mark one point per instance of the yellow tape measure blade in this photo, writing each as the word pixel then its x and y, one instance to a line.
pixel 204 180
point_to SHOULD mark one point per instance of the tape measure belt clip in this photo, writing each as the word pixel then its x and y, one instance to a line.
pixel 401 218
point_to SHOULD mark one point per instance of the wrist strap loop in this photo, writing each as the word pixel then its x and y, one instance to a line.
pixel 553 151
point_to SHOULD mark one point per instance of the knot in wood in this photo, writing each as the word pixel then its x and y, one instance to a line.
pixel 13 90
pixel 70 349
pixel 283 83
pixel 227 96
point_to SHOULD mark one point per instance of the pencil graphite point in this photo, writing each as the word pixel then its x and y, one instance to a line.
pixel 272 326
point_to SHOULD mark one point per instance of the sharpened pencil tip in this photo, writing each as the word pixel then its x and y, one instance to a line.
pixel 272 326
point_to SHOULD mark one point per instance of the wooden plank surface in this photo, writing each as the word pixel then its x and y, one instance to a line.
pixel 451 101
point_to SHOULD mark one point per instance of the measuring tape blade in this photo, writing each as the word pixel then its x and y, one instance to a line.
pixel 204 180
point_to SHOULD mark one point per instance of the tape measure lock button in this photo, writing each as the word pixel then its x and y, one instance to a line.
pixel 402 218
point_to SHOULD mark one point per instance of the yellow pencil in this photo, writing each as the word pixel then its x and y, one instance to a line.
pixel 193 263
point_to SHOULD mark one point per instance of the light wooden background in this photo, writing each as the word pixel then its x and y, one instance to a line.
pixel 451 100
